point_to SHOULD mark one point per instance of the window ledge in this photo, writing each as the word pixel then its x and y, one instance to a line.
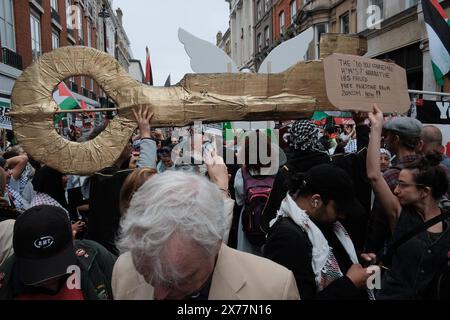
pixel 37 6
pixel 56 24
pixel 69 36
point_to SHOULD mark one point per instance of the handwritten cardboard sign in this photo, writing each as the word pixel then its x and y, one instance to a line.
pixel 356 83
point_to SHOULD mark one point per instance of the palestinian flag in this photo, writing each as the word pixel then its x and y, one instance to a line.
pixel 438 28
pixel 227 126
pixel 65 100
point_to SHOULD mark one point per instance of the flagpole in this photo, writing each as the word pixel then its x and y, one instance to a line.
pixel 431 93
pixel 84 111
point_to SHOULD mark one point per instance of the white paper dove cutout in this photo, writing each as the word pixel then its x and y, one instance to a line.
pixel 205 57
pixel 208 58
pixel 287 53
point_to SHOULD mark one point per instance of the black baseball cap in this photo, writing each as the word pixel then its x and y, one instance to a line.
pixel 334 183
pixel 43 244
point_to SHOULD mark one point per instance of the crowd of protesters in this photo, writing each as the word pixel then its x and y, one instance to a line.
pixel 358 211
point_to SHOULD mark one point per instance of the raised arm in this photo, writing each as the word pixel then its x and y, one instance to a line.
pixel 147 157
pixel 17 164
pixel 218 174
pixel 387 199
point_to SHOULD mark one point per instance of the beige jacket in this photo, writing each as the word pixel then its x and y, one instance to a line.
pixel 228 208
pixel 237 276
pixel 6 236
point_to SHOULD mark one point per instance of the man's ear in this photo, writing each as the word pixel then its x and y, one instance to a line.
pixel 426 191
pixel 420 146
pixel 316 201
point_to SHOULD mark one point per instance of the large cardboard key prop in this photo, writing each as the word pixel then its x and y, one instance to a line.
pixel 294 93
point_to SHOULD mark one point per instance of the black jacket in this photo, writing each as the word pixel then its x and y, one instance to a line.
pixel 288 245
pixel 355 166
pixel 104 212
pixel 417 263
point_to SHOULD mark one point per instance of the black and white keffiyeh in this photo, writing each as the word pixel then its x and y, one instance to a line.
pixel 44 199
pixel 304 136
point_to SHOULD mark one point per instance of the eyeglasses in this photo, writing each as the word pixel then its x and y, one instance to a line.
pixel 403 185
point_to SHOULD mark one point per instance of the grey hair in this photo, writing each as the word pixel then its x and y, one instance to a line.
pixel 172 204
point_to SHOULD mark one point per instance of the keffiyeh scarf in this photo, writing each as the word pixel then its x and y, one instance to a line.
pixel 17 198
pixel 304 136
pixel 44 199
pixel 324 264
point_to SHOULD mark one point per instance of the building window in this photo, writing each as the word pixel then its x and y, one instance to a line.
pixel 267 36
pixel 35 24
pixel 345 23
pixel 69 20
pixel 379 4
pixel 54 4
pixel 55 40
pixel 281 19
pixel 91 85
pixel 258 10
pixel 7 36
pixel 319 29
pixel 410 3
pixel 266 5
pixel 80 22
pixel 293 10
pixel 83 81
pixel 89 33
pixel 259 42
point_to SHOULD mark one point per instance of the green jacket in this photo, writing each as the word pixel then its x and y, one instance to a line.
pixel 96 265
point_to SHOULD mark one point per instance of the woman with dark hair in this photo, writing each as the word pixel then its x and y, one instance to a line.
pixel 307 238
pixel 259 175
pixel 49 185
pixel 418 253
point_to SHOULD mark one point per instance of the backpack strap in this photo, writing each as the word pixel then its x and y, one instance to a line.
pixel 410 234
pixel 245 177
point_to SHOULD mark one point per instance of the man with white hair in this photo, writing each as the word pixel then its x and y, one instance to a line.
pixel 173 236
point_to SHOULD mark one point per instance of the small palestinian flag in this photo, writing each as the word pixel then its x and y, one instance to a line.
pixel 438 28
pixel 65 100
